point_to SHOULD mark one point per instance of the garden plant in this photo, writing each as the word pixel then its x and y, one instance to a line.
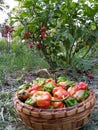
pixel 62 31
pixel 53 34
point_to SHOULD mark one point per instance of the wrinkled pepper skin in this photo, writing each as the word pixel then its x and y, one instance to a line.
pixel 62 84
pixel 72 91
pixel 48 87
pixel 56 104
pixel 35 87
pixel 50 80
pixel 59 92
pixel 23 94
pixel 43 99
pixel 82 86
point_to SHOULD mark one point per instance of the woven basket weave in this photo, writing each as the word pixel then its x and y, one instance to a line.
pixel 71 118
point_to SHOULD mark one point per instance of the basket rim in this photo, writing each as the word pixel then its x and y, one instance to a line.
pixel 91 96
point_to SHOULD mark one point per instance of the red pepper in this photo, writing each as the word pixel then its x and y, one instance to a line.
pixel 43 28
pixel 23 94
pixel 43 99
pixel 30 46
pixel 27 35
pixel 90 76
pixel 35 87
pixel 62 84
pixel 59 92
pixel 72 91
pixel 33 92
pixel 96 40
pixel 38 46
pixel 56 104
pixel 43 35
pixel 82 86
pixel 51 81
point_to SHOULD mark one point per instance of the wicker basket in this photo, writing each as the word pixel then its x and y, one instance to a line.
pixel 71 118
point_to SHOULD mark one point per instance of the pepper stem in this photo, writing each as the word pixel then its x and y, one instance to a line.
pixel 60 100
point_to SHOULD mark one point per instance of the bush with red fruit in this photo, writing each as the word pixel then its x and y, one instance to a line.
pixel 60 26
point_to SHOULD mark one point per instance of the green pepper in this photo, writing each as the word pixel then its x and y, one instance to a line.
pixel 48 87
pixel 64 79
pixel 61 79
pixel 86 94
pixel 70 102
pixel 39 81
pixel 31 100
pixel 81 95
pixel 23 86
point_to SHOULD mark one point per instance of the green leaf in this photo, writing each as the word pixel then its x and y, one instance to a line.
pixel 71 39
pixel 28 3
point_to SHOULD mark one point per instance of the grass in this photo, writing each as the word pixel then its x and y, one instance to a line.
pixel 13 58
pixel 18 56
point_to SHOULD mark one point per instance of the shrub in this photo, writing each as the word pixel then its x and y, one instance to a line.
pixel 58 29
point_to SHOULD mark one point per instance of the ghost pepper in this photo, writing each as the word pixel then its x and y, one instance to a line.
pixel 23 94
pixel 59 92
pixel 55 103
pixel 39 99
pixel 82 86
pixel 72 91
pixel 43 99
pixel 50 80
pixel 35 87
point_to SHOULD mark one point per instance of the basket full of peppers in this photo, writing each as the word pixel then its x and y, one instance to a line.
pixel 43 103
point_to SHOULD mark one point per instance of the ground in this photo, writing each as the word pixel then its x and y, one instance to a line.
pixel 9 119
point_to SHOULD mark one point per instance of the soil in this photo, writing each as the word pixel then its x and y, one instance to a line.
pixel 9 119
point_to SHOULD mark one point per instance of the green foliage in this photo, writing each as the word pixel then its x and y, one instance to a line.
pixel 18 56
pixel 70 27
